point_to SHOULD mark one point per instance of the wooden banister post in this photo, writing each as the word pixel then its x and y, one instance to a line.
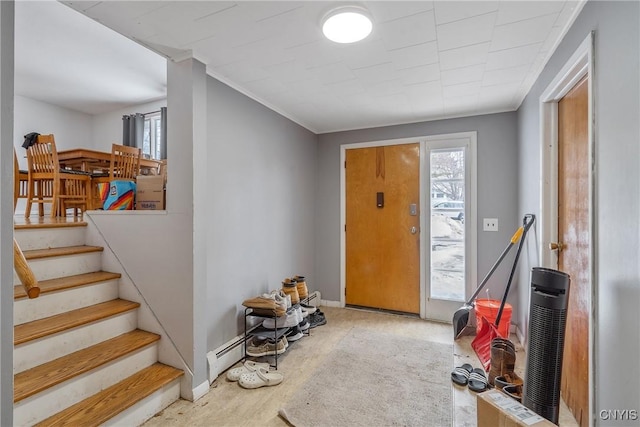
pixel 24 272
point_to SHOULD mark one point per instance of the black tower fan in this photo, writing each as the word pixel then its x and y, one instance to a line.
pixel 547 320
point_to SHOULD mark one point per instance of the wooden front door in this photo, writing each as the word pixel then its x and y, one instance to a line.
pixel 382 227
pixel 573 234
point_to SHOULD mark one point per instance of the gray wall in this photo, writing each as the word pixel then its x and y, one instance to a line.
pixel 497 186
pixel 260 205
pixel 6 213
pixel 617 155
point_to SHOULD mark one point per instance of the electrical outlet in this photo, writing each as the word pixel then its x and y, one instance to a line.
pixel 490 224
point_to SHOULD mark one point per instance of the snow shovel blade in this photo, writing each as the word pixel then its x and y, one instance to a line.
pixel 481 344
pixel 461 320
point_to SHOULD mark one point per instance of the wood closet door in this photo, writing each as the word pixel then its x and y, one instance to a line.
pixel 573 233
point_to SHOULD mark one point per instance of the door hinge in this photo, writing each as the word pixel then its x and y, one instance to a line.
pixel 345 164
pixel 345 228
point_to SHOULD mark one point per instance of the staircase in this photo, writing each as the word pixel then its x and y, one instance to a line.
pixel 79 358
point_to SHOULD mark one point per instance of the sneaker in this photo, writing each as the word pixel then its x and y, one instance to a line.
pixel 294 334
pixel 304 325
pixel 317 319
pixel 310 309
pixel 287 321
pixel 257 347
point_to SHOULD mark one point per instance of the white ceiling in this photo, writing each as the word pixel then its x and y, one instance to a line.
pixel 424 60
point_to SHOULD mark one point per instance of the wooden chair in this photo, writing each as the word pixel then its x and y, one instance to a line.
pixel 49 184
pixel 20 181
pixel 124 165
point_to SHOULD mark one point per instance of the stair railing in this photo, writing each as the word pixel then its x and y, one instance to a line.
pixel 24 272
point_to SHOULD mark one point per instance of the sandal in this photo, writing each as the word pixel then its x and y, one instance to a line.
pixel 248 367
pixel 478 381
pixel 260 378
pixel 460 375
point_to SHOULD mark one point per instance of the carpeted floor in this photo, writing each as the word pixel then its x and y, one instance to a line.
pixel 373 378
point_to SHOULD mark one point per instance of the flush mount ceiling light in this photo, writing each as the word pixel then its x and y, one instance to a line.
pixel 348 24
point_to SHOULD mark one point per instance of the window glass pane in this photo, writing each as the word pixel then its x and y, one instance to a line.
pixel 146 142
pixel 158 136
pixel 447 187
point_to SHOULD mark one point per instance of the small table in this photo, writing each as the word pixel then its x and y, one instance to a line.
pixel 92 160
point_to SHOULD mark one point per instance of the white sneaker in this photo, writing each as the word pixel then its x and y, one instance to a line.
pixel 287 321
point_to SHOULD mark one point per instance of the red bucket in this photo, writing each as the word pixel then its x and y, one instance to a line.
pixel 488 308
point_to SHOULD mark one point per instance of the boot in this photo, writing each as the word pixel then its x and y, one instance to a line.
pixel 503 361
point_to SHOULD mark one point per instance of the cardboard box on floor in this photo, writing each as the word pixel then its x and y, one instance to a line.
pixel 149 192
pixel 496 409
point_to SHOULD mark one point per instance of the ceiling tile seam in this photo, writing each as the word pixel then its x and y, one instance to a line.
pixel 215 13
pixel 468 17
pixel 371 66
pixel 407 16
pixel 315 67
pixel 395 49
pixel 469 45
pixel 149 11
pixel 421 82
pixel 465 66
pixel 527 19
pixel 517 47
pixel 279 14
pixel 463 83
pixel 415 66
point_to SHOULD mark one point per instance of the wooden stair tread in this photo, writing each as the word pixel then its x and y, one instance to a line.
pixel 49 374
pixel 71 319
pixel 60 283
pixel 104 405
pixel 26 224
pixel 63 251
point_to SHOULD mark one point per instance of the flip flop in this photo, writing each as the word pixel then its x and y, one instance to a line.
pixel 478 381
pixel 460 375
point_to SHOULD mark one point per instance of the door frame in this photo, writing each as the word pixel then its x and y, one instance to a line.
pixel 424 208
pixel 579 65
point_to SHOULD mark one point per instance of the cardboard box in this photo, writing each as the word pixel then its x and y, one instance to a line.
pixel 150 193
pixel 496 409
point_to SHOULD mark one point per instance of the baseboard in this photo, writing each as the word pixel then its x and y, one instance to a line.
pixel 199 391
pixel 328 303
pixel 229 353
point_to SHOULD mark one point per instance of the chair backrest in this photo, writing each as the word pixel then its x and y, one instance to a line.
pixel 125 162
pixel 42 156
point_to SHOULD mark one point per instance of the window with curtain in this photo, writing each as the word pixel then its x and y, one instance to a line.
pixel 148 132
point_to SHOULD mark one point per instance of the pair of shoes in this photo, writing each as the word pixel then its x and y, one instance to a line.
pixel 503 361
pixel 289 320
pixel 466 375
pixel 247 367
pixel 261 377
pixel 317 319
pixel 301 285
pixel 266 304
pixel 263 347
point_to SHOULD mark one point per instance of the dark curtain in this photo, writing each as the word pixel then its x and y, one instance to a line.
pixel 133 130
pixel 163 133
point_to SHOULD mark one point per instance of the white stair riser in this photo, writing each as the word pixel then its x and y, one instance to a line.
pixel 42 238
pixel 53 400
pixel 147 407
pixel 52 303
pixel 70 265
pixel 37 352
